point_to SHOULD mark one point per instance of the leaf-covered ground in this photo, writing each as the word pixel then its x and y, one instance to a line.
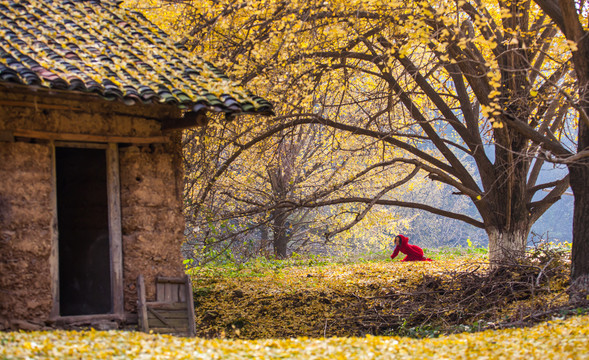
pixel 278 300
pixel 560 339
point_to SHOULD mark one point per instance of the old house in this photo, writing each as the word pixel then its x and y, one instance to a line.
pixel 93 98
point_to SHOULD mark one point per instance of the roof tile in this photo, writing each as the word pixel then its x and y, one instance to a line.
pixel 96 46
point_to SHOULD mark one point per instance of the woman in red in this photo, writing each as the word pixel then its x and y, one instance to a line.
pixel 413 252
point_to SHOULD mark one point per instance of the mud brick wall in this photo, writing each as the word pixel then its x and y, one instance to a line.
pixel 151 179
pixel 152 220
pixel 26 217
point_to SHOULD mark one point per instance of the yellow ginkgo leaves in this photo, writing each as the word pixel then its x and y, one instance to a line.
pixel 561 339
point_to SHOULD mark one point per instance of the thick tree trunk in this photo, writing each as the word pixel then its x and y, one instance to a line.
pixel 508 223
pixel 565 14
pixel 579 174
pixel 506 247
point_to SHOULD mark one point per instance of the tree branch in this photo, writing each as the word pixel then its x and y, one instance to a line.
pixel 365 211
pixel 539 207
pixel 406 204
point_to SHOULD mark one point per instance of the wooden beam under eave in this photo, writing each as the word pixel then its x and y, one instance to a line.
pixel 15 95
pixel 189 120
pixel 33 134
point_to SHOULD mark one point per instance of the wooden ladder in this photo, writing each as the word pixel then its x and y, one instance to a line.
pixel 173 310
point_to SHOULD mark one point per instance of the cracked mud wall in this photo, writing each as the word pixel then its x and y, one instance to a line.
pixel 151 198
pixel 152 220
pixel 25 231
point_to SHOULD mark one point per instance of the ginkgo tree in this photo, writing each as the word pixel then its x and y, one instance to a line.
pixel 437 81
pixel 572 18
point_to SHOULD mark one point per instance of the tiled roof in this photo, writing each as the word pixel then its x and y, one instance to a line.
pixel 96 46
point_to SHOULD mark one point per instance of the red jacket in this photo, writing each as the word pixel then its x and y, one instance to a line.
pixel 413 252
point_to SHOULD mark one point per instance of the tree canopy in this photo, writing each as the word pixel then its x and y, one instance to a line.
pixel 474 95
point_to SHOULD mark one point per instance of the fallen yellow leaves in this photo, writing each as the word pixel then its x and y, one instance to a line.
pixel 422 299
pixel 560 339
pixel 333 276
pixel 314 301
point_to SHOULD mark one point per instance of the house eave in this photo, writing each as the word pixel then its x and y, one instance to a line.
pixel 51 99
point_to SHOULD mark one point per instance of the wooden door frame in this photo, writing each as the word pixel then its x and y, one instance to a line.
pixel 114 229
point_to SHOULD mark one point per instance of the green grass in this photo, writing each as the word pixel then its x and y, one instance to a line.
pixel 262 266
pixel 450 253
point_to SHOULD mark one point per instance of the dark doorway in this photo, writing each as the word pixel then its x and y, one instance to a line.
pixel 84 252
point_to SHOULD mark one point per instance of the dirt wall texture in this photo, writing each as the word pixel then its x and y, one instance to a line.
pixel 152 220
pixel 151 196
pixel 25 232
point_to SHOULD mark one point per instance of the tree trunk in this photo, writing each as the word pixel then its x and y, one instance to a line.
pixel 506 247
pixel 264 240
pixel 508 223
pixel 566 15
pixel 579 174
pixel 579 181
pixel 279 182
pixel 579 289
pixel 279 227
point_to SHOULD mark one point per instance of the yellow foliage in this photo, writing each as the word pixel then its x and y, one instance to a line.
pixel 299 293
pixel 558 339
pixel 316 298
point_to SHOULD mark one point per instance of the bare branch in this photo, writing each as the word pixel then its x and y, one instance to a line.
pixel 406 204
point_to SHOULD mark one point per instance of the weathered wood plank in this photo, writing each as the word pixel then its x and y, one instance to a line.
pixel 189 120
pixel 114 226
pixel 158 316
pixel 172 280
pixel 142 305
pixel 182 293
pixel 180 324
pixel 169 292
pixel 171 322
pixel 81 145
pixel 41 106
pixel 85 319
pixel 165 305
pixel 54 254
pixel 160 293
pixel 90 138
pixel 190 305
pixel 172 314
